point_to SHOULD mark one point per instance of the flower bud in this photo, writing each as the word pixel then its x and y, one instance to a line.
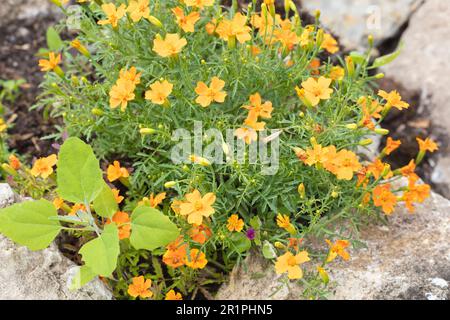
pixel 97 112
pixel 301 190
pixel 146 131
pixel 365 142
pixel 9 170
pixel 352 126
pixel 170 184
pixel 381 131
pixel 154 21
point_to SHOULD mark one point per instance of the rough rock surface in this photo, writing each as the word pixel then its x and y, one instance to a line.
pixel 409 258
pixel 354 20
pixel 424 66
pixel 24 9
pixel 40 275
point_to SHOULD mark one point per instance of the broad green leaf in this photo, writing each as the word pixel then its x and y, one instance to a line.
pixel 54 41
pixel 105 204
pixel 100 254
pixel 78 175
pixel 268 250
pixel 255 222
pixel 82 276
pixel 28 223
pixel 150 229
pixel 381 61
pixel 241 242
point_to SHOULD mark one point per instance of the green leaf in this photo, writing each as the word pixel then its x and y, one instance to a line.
pixel 100 254
pixel 358 57
pixel 78 175
pixel 54 41
pixel 268 250
pixel 381 61
pixel 105 204
pixel 150 229
pixel 255 222
pixel 241 242
pixel 83 275
pixel 28 223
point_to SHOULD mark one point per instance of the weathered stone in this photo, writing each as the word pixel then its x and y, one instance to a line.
pixel 354 20
pixel 423 66
pixel 24 9
pixel 41 275
pixel 409 258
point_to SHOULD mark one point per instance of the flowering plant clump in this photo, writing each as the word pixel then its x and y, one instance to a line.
pixel 179 207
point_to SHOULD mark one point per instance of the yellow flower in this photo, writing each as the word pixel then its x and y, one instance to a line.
pixel 393 99
pixel 259 109
pixel 237 28
pixel 235 224
pixel 247 134
pixel 159 91
pixel 200 4
pixel 187 23
pixel 44 166
pixel 284 222
pixel 140 288
pixel 138 9
pixel 113 14
pixel 291 264
pixel 196 207
pixel 153 201
pixel 338 249
pixel 121 93
pixel 131 75
pixel 196 259
pixel 343 164
pixel 427 145
pixel 51 63
pixel 199 160
pixel 172 295
pixel 317 89
pixel 115 171
pixel 207 95
pixel 170 46
pixel 76 44
pixel 337 73
pixel 329 43
pixel 117 196
pixel 3 125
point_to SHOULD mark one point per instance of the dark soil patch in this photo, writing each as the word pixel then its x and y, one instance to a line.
pixel 19 42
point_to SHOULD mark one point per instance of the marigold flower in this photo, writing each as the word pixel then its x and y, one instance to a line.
pixel 329 44
pixel 391 146
pixel 200 4
pixel 200 233
pixel 115 171
pixel 291 264
pixel 213 93
pixel 159 91
pixel 211 27
pixel 344 164
pixel 121 93
pixel 172 295
pixel 176 253
pixel 409 169
pixel 379 169
pixel 153 201
pixel 131 75
pixel 196 259
pixel 186 22
pixel 247 134
pixel 140 288
pixel 415 193
pixel 265 25
pixel 113 14
pixel 77 207
pixel 337 73
pixel 14 162
pixel 257 108
pixel 317 89
pixel 384 198
pixel 199 160
pixel 393 99
pixel 287 38
pixel 237 28
pixel 76 44
pixel 117 196
pixel 235 224
pixel 51 64
pixel 319 155
pixel 44 166
pixel 196 207
pixel 170 46
pixel 122 220
pixel 338 249
pixel 284 222
pixel 427 145
pixel 58 203
pixel 138 9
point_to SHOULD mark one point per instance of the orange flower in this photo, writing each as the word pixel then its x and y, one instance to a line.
pixel 427 145
pixel 319 155
pixel 14 162
pixel 113 14
pixel 337 73
pixel 287 38
pixel 172 295
pixel 237 28
pixel 44 166
pixel 391 145
pixel 138 9
pixel 200 4
pixel 176 253
pixel 118 197
pixel 131 75
pixel 200 233
pixel 393 99
pixel 51 63
pixel 159 91
pixel 153 201
pixel 196 259
pixel 317 89
pixel 140 288
pixel 235 224
pixel 258 109
pixel 343 164
pixel 247 134
pixel 170 46
pixel 378 167
pixel 384 198
pixel 338 249
pixel 58 203
pixel 207 95
pixel 121 93
pixel 291 264
pixel 196 207
pixel 415 193
pixel 329 43
pixel 187 23
pixel 115 171
pixel 409 170
pixel 211 27
pixel 77 207
pixel 284 222
pixel 122 220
